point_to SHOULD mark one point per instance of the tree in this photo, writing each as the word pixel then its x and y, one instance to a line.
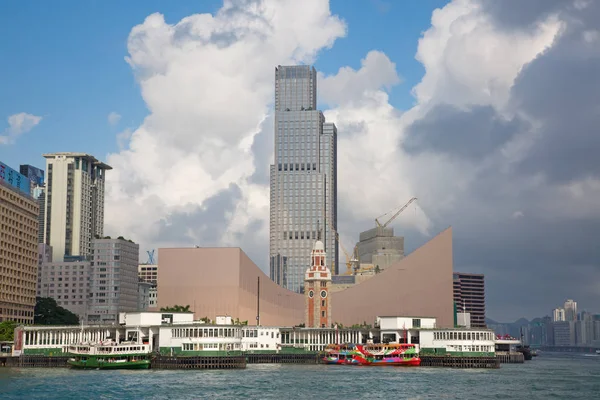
pixel 377 269
pixel 47 312
pixel 176 308
pixel 7 331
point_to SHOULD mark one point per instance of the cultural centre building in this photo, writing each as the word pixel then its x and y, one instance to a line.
pixel 224 281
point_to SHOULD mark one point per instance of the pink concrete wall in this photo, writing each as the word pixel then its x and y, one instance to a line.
pixel 418 285
pixel 223 281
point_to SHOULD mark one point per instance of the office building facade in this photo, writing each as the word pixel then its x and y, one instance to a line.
pixel 303 179
pixel 74 203
pixel 469 296
pixel 113 280
pixel 67 282
pixel 18 247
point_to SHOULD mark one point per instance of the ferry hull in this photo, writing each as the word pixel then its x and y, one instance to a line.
pixel 337 361
pixel 93 364
pixel 413 362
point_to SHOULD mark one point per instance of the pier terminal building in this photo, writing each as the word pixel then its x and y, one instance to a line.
pixel 180 334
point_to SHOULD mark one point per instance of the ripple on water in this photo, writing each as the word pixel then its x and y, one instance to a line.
pixel 546 377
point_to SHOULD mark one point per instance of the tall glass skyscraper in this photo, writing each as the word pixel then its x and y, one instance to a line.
pixel 303 178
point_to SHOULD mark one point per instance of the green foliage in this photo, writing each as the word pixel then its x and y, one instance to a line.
pixel 206 320
pixel 7 331
pixel 47 312
pixel 377 269
pixel 176 308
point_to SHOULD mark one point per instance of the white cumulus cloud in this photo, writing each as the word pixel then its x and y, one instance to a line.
pixel 195 171
pixel 208 82
pixel 113 118
pixel 19 124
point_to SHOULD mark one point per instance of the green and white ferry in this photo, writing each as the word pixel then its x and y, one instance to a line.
pixel 110 355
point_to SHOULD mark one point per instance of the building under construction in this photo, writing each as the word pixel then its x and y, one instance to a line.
pixel 378 247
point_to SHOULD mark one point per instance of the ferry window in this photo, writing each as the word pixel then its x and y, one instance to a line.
pixel 271 335
pixel 416 322
pixel 210 332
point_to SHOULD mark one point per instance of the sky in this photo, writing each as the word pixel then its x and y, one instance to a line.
pixel 487 111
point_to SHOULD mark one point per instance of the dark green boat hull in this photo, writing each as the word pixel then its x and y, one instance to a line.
pixel 93 364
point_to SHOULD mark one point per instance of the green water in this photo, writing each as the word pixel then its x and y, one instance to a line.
pixel 546 377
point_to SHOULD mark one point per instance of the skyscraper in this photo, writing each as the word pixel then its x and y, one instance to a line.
pixel 303 205
pixel 74 203
pixel 570 310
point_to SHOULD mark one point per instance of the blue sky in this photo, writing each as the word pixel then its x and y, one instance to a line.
pixel 64 61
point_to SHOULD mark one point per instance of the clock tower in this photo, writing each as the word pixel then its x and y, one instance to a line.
pixel 317 281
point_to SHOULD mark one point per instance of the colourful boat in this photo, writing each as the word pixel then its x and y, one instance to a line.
pixel 394 354
pixel 125 355
pixel 343 354
pixel 391 354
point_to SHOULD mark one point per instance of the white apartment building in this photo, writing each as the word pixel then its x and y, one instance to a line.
pixel 74 203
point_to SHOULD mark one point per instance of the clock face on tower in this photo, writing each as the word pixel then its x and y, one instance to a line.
pixel 323 293
pixel 311 294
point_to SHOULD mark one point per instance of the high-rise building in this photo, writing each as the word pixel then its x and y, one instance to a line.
pixel 113 279
pixel 18 247
pixel 469 296
pixel 558 315
pixel 570 310
pixel 303 182
pixel 74 203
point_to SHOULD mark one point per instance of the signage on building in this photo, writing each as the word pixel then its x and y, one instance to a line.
pixel 36 175
pixel 15 179
pixel 167 319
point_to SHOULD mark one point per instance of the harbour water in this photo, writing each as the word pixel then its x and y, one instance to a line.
pixel 546 377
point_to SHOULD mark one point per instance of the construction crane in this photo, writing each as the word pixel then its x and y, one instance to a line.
pixel 379 225
pixel 350 259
